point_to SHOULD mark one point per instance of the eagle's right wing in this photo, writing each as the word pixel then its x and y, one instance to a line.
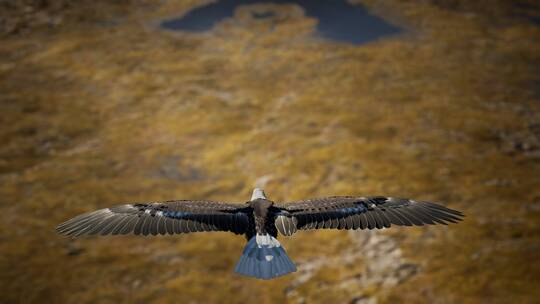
pixel 169 217
pixel 348 212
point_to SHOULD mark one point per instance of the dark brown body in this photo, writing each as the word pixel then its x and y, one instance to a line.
pixel 262 218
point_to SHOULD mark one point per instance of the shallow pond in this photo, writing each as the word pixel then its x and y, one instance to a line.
pixel 338 20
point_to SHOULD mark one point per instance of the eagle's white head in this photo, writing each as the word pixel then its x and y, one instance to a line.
pixel 258 194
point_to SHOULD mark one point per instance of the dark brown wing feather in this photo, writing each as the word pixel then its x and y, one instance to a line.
pixel 347 212
pixel 169 217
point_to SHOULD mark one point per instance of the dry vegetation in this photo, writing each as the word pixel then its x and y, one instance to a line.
pixel 110 110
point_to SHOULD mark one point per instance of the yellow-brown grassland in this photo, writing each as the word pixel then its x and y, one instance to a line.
pixel 99 106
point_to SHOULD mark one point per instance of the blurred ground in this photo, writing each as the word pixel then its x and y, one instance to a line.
pixel 100 107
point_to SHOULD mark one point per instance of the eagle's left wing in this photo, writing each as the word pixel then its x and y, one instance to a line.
pixel 170 217
pixel 348 212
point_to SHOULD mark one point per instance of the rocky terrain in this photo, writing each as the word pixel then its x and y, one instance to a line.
pixel 100 106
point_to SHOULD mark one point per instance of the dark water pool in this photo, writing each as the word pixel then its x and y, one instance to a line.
pixel 338 20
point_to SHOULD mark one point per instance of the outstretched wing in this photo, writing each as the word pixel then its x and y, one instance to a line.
pixel 169 217
pixel 347 212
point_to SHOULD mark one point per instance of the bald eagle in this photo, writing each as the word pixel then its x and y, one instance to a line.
pixel 259 220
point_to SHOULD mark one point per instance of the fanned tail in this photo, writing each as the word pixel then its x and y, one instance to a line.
pixel 264 258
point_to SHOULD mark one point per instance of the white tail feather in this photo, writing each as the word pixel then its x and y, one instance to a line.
pixel 264 258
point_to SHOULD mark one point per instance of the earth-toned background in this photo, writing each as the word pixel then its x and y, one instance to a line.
pixel 100 106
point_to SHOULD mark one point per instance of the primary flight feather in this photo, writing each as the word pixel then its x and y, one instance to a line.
pixel 259 220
